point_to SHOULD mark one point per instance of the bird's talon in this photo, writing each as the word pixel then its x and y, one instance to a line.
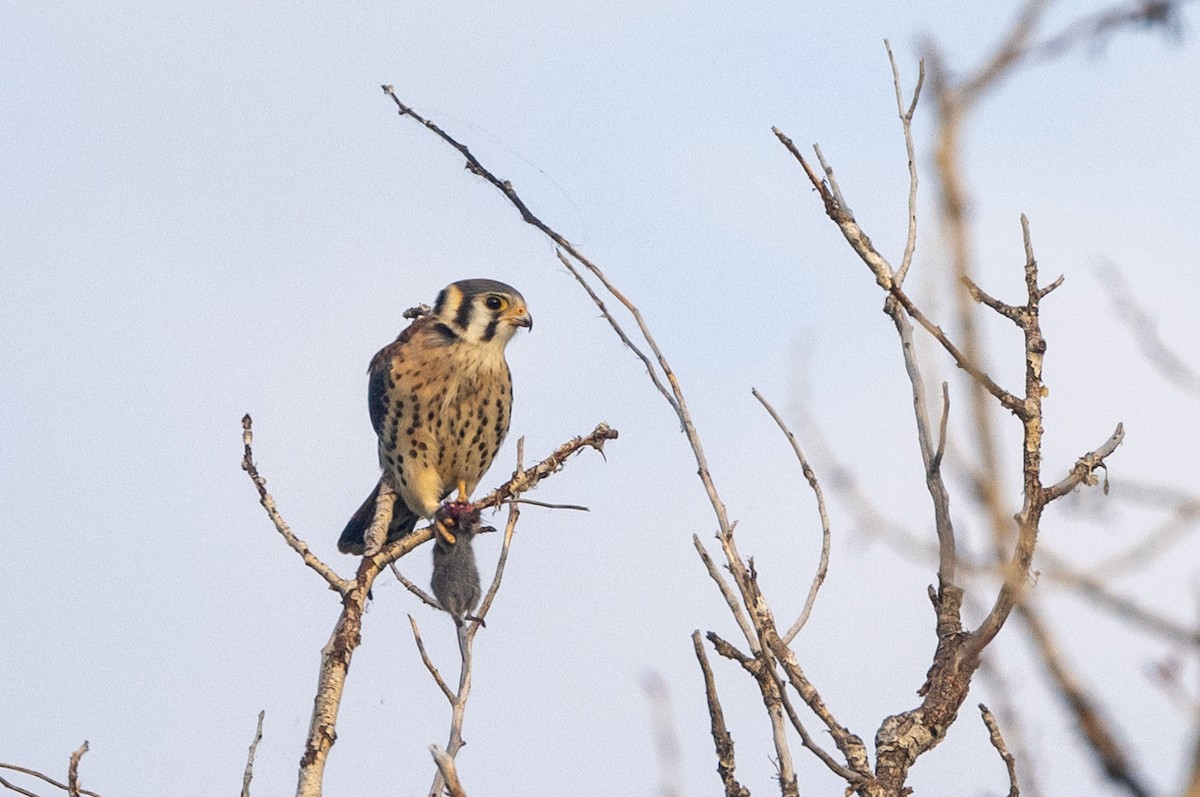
pixel 442 527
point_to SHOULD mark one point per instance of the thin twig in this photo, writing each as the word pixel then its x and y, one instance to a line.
pixel 546 505
pixel 1099 592
pixel 998 742
pixel 336 582
pixel 834 188
pixel 1144 328
pixel 1085 467
pixel 421 594
pixel 514 514
pixel 1183 519
pixel 429 665
pixel 906 117
pixel 248 775
pixel 599 302
pixel 731 600
pixel 13 787
pixel 936 462
pixel 1008 714
pixel 35 774
pixel 811 477
pixel 527 479
pixel 885 277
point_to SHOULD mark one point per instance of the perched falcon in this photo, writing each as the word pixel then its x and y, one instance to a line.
pixel 440 398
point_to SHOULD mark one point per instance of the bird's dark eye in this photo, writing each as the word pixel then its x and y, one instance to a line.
pixel 495 303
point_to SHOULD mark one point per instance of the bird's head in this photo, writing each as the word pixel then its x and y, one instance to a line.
pixel 482 311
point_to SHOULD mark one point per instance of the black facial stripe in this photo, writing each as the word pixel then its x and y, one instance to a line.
pixel 446 332
pixel 490 332
pixel 462 319
pixel 440 304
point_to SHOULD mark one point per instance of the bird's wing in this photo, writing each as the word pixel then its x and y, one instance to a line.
pixel 430 331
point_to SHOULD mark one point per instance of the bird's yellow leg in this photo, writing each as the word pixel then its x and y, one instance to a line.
pixel 462 492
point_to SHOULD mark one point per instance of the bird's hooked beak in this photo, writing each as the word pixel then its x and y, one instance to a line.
pixel 520 317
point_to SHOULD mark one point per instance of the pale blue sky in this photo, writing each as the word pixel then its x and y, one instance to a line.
pixel 215 210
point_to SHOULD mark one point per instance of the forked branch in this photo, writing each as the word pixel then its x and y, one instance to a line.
pixel 347 633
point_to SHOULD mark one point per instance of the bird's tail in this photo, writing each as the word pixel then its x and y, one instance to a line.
pixel 353 536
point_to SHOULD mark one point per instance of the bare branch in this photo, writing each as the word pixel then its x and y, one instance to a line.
pixel 726 763
pixel 832 181
pixel 761 669
pixel 884 276
pixel 545 505
pixel 336 582
pixel 421 594
pixel 934 483
pixel 448 771
pixel 13 787
pixel 936 463
pixel 35 774
pixel 823 565
pixel 1148 14
pixel 467 631
pixel 1085 466
pixel 528 479
pixel 1144 328
pixel 1091 721
pixel 978 294
pixel 1036 497
pixel 1097 591
pixel 1183 518
pixel 73 770
pixel 998 742
pixel 850 745
pixel 1011 49
pixel 841 216
pixel 806 739
pixel 650 370
pixel 1027 523
pixel 346 636
pixel 731 600
pixel 248 775
pixel 666 735
pixel 385 502
pixel 429 665
pixel 906 117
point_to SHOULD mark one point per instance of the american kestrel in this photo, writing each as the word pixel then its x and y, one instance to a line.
pixel 440 398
